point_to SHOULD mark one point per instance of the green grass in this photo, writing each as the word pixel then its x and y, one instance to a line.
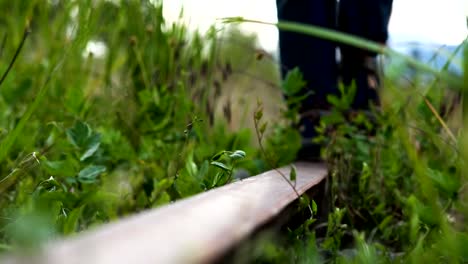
pixel 87 139
pixel 397 196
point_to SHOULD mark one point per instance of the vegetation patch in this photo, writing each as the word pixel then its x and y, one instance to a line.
pixel 107 110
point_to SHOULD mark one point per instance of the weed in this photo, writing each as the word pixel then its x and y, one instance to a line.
pixel 91 136
pixel 88 137
pixel 397 178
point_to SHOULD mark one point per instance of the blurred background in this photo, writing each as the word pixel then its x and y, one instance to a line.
pixel 427 30
pixel 431 22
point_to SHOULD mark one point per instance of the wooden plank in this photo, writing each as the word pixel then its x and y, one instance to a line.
pixel 194 230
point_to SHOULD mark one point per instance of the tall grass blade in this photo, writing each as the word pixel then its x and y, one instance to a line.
pixel 351 40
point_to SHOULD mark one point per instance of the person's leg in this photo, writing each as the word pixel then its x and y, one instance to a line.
pixel 368 19
pixel 316 58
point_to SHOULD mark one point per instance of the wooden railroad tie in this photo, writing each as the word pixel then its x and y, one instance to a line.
pixel 198 229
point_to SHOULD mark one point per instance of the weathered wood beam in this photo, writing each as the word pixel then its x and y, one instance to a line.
pixel 195 230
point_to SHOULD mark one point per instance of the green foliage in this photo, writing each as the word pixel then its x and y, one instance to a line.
pixel 293 82
pixel 225 161
pixel 399 179
pixel 88 136
pixel 398 187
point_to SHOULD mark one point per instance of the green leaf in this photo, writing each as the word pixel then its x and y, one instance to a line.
pixel 259 114
pixel 293 173
pixel 386 222
pixel 220 165
pixel 71 222
pixel 191 166
pixel 186 185
pixel 81 136
pixel 449 184
pixel 314 207
pixel 218 155
pixel 90 173
pixel 60 168
pixel 48 185
pixel 238 154
pixel 163 198
pixel 219 179
pixel 92 146
pixel 293 82
pixel 304 201
pixel 334 100
pixel 365 176
pixel 203 170
pixel 164 184
pixel 78 135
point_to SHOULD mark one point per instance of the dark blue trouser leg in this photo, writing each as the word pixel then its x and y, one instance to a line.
pixel 314 57
pixel 367 19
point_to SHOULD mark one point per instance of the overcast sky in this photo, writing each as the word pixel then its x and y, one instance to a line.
pixel 430 21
